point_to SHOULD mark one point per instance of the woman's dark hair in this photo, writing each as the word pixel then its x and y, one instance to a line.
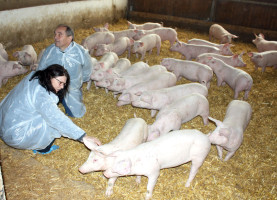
pixel 44 77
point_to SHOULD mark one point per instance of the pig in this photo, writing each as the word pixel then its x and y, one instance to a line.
pixel 9 69
pixel 165 33
pixel 134 69
pixel 119 47
pixel 237 79
pixel 191 51
pixel 264 45
pixel 264 59
pixel 216 31
pixel 145 26
pixel 132 134
pixel 228 134
pixel 170 150
pixel 91 41
pixel 235 60
pixel 34 67
pixel 130 33
pixel 190 70
pixel 3 52
pixel 225 48
pixel 159 98
pixel 146 43
pixel 107 61
pixel 159 80
pixel 27 56
pixel 121 65
pixel 125 82
pixel 182 110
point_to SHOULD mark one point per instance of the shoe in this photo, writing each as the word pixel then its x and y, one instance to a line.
pixel 53 148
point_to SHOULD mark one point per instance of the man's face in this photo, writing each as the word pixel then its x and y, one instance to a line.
pixel 61 39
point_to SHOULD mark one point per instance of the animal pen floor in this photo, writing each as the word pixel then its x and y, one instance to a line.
pixel 250 174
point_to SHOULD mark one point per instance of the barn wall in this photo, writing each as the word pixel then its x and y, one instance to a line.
pixel 239 16
pixel 27 25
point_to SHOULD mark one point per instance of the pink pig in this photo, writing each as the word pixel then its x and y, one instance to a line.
pixel 91 41
pixel 190 70
pixel 146 43
pixel 237 79
pixel 9 69
pixel 119 47
pixel 159 98
pixel 132 134
pixel 229 134
pixel 264 59
pixel 145 26
pixel 170 150
pixel 165 33
pixel 264 45
pixel 172 116
pixel 27 56
pixel 191 51
pixel 159 80
pixel 218 32
pixel 235 60
pixel 225 48
pixel 3 52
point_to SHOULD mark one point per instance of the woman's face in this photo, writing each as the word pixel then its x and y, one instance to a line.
pixel 58 82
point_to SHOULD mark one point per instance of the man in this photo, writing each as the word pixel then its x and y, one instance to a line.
pixel 76 60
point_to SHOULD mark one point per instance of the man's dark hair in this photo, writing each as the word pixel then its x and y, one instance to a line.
pixel 44 77
pixel 69 31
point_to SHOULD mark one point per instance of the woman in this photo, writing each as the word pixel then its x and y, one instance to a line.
pixel 30 117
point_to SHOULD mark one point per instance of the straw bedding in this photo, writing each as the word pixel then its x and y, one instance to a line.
pixel 250 174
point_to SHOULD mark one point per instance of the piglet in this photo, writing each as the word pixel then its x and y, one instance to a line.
pixel 264 45
pixel 182 110
pixel 3 52
pixel 9 69
pixel 27 56
pixel 145 26
pixel 119 47
pixel 159 98
pixel 190 70
pixel 235 60
pixel 132 134
pixel 165 33
pixel 170 150
pixel 191 51
pixel 237 79
pixel 146 43
pixel 34 66
pixel 264 59
pixel 225 48
pixel 229 134
pixel 218 32
pixel 91 41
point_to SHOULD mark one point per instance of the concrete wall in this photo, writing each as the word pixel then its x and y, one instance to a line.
pixel 32 24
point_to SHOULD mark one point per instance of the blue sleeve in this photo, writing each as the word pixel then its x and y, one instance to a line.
pixel 46 105
pixel 87 67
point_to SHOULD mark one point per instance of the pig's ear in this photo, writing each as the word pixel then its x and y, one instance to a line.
pixel 250 54
pixel 217 122
pixel 141 44
pixel 16 54
pixel 123 167
pixel 234 36
pixel 261 35
pixel 89 143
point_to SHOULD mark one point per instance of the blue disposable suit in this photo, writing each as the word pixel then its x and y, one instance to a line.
pixel 31 119
pixel 77 61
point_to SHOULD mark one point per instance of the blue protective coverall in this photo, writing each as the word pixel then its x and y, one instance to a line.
pixel 77 61
pixel 31 119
